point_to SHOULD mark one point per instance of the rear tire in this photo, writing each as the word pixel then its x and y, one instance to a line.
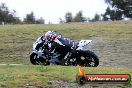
pixel 89 59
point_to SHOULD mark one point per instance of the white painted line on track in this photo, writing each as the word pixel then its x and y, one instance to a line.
pixel 3 64
pixel 10 64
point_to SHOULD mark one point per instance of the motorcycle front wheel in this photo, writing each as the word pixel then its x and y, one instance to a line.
pixel 38 61
pixel 33 59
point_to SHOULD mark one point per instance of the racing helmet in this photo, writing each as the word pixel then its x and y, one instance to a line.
pixel 50 36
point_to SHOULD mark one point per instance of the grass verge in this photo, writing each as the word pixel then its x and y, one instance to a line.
pixel 41 76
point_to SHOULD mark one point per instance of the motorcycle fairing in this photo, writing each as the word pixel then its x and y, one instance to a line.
pixel 83 43
pixel 36 43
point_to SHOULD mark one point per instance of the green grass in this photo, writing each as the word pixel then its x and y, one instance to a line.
pixel 20 76
pixel 16 42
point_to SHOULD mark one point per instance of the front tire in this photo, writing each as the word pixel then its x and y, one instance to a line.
pixel 33 59
pixel 38 61
pixel 89 59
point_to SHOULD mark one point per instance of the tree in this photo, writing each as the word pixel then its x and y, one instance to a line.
pixel 6 16
pixel 61 21
pixel 68 17
pixel 106 16
pixel 3 12
pixel 30 18
pixel 96 18
pixel 121 6
pixel 40 21
pixel 79 17
pixel 112 14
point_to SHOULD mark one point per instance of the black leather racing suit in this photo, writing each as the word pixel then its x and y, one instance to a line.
pixel 40 43
pixel 62 46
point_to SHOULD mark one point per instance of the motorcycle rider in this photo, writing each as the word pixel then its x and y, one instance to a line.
pixel 53 39
pixel 57 43
pixel 40 42
pixel 45 41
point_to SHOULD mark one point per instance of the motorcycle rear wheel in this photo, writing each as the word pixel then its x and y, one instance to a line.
pixel 89 59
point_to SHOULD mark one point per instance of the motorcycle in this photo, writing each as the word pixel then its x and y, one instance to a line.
pixel 79 56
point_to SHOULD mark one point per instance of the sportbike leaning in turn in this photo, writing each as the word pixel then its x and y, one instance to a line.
pixel 63 53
